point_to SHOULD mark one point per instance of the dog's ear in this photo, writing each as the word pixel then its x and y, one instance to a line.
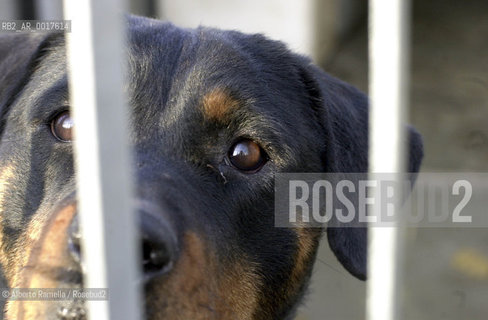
pixel 19 54
pixel 344 111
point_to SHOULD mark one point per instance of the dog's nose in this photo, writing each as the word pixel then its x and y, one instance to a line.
pixel 157 240
pixel 158 244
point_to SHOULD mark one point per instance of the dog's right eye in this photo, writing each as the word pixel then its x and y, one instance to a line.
pixel 246 155
pixel 62 126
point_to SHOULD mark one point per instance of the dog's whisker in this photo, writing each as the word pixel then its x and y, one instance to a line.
pixel 330 267
pixel 218 171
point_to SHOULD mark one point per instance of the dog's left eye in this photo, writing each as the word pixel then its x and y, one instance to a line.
pixel 246 155
pixel 62 126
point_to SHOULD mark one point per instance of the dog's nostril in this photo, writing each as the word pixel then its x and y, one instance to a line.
pixel 74 240
pixel 155 256
pixel 74 246
pixel 158 244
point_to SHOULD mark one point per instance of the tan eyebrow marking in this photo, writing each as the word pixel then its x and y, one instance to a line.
pixel 218 104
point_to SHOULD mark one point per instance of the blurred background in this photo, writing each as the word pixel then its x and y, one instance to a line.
pixel 446 270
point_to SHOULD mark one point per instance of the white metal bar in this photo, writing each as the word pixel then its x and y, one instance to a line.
pixel 110 246
pixel 49 9
pixel 9 10
pixel 388 37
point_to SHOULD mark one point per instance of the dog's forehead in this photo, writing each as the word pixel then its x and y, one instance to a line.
pixel 196 74
pixel 165 42
pixel 169 60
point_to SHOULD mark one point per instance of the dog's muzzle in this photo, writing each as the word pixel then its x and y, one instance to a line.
pixel 54 258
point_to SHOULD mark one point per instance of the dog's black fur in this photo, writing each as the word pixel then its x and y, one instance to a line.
pixel 193 94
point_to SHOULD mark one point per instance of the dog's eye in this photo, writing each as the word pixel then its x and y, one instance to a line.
pixel 62 126
pixel 247 155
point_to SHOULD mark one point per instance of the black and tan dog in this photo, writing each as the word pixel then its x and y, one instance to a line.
pixel 215 114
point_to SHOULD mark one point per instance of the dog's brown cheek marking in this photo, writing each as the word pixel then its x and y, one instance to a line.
pixel 218 104
pixel 308 239
pixel 200 289
pixel 44 252
pixel 240 288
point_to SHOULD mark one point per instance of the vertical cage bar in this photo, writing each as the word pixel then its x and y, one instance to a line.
pixel 49 9
pixel 102 157
pixel 388 78
pixel 9 10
